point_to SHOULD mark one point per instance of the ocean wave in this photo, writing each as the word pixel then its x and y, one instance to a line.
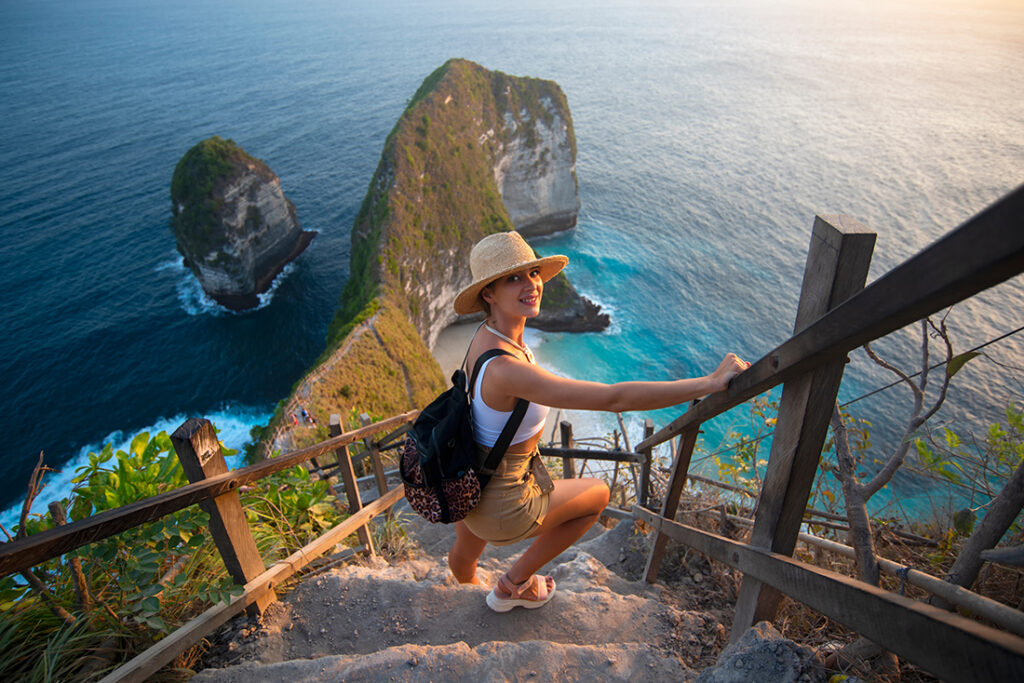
pixel 615 328
pixel 233 423
pixel 195 301
pixel 175 264
pixel 267 296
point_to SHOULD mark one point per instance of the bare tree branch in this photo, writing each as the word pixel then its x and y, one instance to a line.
pixel 856 505
pixel 75 563
pixel 35 485
pixel 844 456
pixel 919 416
pixel 886 474
pixel 925 349
pixel 881 362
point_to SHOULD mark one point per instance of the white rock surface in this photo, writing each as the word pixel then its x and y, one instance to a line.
pixel 535 171
pixel 259 233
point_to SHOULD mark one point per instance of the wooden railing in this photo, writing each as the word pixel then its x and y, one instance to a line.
pixel 835 315
pixel 215 489
pixel 30 551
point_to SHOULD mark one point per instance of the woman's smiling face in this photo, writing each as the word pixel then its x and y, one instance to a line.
pixel 518 293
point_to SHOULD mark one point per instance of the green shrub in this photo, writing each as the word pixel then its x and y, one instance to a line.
pixel 145 581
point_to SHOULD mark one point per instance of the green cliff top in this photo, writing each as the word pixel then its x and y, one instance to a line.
pixel 433 195
pixel 194 205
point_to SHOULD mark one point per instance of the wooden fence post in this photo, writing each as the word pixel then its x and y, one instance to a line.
pixel 198 449
pixel 568 466
pixel 837 267
pixel 373 451
pixel 348 479
pixel 680 468
pixel 645 468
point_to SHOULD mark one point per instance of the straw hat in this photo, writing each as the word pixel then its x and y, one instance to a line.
pixel 498 255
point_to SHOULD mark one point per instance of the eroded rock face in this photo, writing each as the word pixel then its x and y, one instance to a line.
pixel 535 170
pixel 234 225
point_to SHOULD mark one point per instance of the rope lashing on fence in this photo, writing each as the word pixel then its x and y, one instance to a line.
pixel 902 573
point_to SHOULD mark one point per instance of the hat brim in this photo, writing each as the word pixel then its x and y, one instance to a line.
pixel 468 300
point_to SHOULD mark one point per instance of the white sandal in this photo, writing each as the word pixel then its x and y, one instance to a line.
pixel 536 583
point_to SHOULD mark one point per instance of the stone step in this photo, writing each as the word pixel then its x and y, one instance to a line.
pixel 371 621
pixel 359 609
pixel 531 660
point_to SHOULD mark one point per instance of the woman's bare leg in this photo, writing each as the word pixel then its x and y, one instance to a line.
pixel 464 553
pixel 575 505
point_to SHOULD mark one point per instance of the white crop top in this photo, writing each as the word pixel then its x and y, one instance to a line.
pixel 488 422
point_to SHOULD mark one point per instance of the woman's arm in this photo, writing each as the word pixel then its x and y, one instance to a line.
pixel 515 378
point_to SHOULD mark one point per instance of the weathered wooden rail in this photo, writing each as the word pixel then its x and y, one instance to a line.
pixel 215 489
pixel 32 550
pixel 835 315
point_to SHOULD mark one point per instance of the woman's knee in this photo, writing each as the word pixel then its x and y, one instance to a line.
pixel 575 498
pixel 598 494
pixel 467 544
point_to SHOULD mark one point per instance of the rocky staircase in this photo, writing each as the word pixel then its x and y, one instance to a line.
pixel 410 621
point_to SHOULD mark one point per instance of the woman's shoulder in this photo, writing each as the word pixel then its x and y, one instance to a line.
pixel 481 344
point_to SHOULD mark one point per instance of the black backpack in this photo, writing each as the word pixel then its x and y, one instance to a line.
pixel 439 464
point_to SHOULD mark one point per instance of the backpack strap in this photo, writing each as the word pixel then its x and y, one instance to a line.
pixel 462 366
pixel 484 357
pixel 490 464
pixel 504 439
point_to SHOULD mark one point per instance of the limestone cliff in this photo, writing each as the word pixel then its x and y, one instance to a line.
pixel 474 153
pixel 535 162
pixel 234 226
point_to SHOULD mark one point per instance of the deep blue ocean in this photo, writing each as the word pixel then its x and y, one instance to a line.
pixel 709 135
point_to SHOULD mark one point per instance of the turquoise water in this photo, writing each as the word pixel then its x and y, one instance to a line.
pixel 709 135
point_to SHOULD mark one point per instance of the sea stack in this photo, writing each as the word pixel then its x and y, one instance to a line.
pixel 535 156
pixel 475 152
pixel 235 228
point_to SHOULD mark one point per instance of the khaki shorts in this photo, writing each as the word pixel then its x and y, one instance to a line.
pixel 512 505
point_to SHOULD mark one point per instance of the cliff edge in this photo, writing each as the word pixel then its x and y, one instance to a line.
pixel 234 226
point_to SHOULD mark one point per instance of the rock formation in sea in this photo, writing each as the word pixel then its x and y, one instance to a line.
pixel 475 152
pixel 234 226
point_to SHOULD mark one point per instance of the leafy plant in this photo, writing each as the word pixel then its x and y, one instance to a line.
pixel 976 468
pixel 141 584
pixel 740 461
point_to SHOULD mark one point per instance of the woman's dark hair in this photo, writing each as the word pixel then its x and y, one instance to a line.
pixel 483 304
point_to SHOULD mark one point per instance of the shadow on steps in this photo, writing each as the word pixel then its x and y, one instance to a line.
pixel 374 621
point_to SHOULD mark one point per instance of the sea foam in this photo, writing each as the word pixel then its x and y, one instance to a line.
pixel 233 424
pixel 195 301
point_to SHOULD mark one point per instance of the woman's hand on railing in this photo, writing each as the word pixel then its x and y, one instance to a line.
pixel 730 366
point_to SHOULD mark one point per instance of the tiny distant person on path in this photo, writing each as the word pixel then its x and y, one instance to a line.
pixel 520 501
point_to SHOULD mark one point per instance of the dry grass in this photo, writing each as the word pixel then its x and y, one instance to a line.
pixel 717 587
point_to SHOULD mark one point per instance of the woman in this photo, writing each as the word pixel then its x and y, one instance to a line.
pixel 519 502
